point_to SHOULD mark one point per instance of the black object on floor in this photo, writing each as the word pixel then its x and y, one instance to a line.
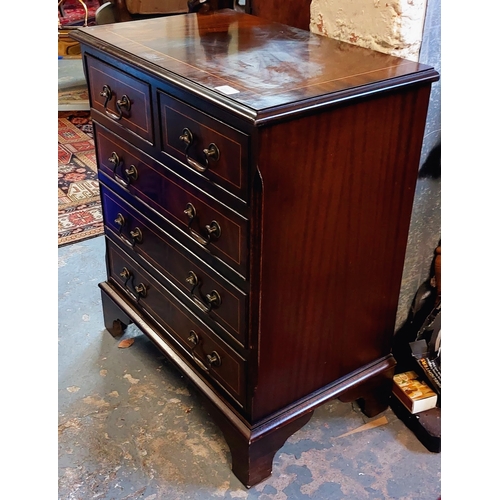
pixel 426 425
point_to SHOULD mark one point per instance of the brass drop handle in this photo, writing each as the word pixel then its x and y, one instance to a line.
pixel 213 229
pixel 136 235
pixel 211 153
pixel 141 290
pixel 207 302
pixel 213 359
pixel 192 279
pixel 130 174
pixel 213 299
pixel 186 137
pixel 190 211
pixel 199 363
pixel 125 274
pixel 193 338
pixel 120 220
pixel 114 159
pixel 106 92
pixel 123 104
pixel 136 291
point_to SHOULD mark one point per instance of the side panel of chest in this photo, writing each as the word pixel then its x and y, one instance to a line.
pixel 338 191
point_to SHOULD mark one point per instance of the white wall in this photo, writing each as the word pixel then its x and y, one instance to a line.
pixel 390 26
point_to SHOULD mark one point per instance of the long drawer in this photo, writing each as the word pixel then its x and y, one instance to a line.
pixel 201 346
pixel 208 223
pixel 210 294
pixel 206 145
pixel 121 97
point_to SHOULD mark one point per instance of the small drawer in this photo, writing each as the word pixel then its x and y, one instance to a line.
pixel 206 145
pixel 208 223
pixel 211 295
pixel 215 359
pixel 120 97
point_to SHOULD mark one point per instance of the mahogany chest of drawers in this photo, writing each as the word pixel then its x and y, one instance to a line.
pixel 257 185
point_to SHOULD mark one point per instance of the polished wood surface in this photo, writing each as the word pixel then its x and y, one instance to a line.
pixel 319 155
pixel 138 118
pixel 169 195
pixel 230 169
pixel 163 254
pixel 265 64
pixel 179 322
pixel 338 189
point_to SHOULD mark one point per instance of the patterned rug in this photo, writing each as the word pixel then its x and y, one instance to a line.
pixel 72 13
pixel 80 213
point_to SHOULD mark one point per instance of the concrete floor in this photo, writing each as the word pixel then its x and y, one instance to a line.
pixel 131 427
pixel 71 77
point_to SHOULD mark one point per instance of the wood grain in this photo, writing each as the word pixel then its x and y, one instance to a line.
pixel 268 64
pixel 297 14
pixel 314 195
pixel 338 190
pixel 169 194
pixel 168 261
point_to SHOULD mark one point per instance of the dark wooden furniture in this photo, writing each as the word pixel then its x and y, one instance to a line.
pixel 296 13
pixel 257 184
pixel 117 11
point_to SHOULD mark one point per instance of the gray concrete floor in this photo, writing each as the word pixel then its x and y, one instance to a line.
pixel 71 77
pixel 70 74
pixel 131 427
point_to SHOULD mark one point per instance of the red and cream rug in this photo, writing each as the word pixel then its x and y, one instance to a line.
pixel 80 213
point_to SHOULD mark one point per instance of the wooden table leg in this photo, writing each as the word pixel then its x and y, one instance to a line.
pixel 115 320
pixel 253 451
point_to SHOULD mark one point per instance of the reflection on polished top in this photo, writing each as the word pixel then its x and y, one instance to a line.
pixel 253 62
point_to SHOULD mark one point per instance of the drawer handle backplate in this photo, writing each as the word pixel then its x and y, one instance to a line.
pixel 213 360
pixel 193 338
pixel 211 153
pixel 135 234
pixel 207 302
pixel 213 229
pixel 136 291
pixel 123 104
pixel 129 174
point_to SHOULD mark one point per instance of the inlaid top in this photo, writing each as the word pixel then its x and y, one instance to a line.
pixel 253 62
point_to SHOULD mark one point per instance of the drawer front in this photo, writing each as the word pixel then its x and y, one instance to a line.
pixel 121 97
pixel 206 145
pixel 208 223
pixel 215 359
pixel 211 295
